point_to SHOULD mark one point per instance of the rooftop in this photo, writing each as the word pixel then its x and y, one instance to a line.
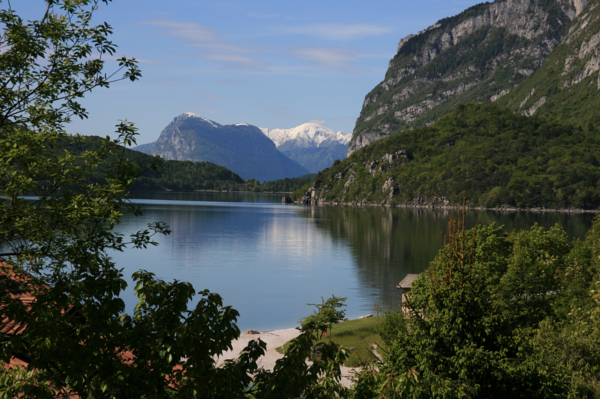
pixel 22 293
pixel 407 281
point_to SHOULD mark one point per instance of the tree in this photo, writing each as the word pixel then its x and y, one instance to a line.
pixel 494 316
pixel 48 65
pixel 58 243
pixel 320 379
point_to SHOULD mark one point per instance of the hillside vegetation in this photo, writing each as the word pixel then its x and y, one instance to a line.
pixel 154 174
pixel 533 143
pixel 480 154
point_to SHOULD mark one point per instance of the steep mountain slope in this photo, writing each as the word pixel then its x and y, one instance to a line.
pixel 478 55
pixel 312 145
pixel 241 148
pixel 566 87
pixel 480 154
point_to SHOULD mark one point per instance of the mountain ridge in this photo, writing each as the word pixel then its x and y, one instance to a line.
pixel 477 55
pixel 311 132
pixel 560 89
pixel 242 148
pixel 535 144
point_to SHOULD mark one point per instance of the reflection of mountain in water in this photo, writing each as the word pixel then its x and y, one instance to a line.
pixel 195 229
pixel 389 243
pixel 258 257
pixel 270 261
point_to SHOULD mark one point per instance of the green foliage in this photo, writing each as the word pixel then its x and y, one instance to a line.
pixel 293 377
pixel 480 154
pixel 174 175
pixel 284 185
pixel 19 383
pixel 78 337
pixel 155 174
pixel 567 343
pixel 493 316
pixel 48 65
pixel 357 336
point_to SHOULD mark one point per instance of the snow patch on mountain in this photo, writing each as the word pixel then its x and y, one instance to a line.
pixel 309 134
pixel 195 116
pixel 312 145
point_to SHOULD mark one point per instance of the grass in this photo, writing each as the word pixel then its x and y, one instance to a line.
pixel 356 336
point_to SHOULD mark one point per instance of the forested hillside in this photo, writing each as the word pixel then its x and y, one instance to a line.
pixel 480 154
pixel 421 140
pixel 155 174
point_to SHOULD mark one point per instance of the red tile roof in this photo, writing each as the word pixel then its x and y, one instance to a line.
pixel 8 326
pixel 11 327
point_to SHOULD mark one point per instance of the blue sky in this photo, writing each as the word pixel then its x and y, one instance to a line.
pixel 265 62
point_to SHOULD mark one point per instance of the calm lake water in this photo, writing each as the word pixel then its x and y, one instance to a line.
pixel 270 261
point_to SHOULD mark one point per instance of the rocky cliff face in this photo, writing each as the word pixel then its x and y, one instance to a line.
pixel 478 55
pixel 242 148
pixel 566 87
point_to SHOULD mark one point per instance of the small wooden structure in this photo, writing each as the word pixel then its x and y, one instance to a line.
pixel 407 281
pixel 406 285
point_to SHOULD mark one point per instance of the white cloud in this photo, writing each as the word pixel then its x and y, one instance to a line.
pixel 340 31
pixel 212 45
pixel 325 56
pixel 232 58
pixel 215 48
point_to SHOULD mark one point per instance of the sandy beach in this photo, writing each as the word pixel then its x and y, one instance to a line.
pixel 274 339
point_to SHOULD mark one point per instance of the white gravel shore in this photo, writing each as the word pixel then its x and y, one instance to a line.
pixel 274 339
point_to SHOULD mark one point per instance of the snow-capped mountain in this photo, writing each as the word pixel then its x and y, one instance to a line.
pixel 312 145
pixel 242 148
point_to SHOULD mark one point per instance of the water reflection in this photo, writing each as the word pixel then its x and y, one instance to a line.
pixel 389 243
pixel 214 196
pixel 265 259
pixel 271 260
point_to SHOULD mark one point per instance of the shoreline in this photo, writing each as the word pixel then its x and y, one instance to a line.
pixel 275 339
pixel 213 191
pixel 453 207
pixel 140 195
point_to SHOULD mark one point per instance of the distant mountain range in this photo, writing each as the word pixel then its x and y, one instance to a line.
pixel 312 145
pixel 156 175
pixel 252 153
pixel 242 148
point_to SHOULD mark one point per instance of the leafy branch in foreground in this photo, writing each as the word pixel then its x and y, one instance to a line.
pixel 59 284
pixel 311 366
pixel 48 65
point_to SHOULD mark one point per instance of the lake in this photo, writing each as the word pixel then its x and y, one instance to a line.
pixel 271 261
